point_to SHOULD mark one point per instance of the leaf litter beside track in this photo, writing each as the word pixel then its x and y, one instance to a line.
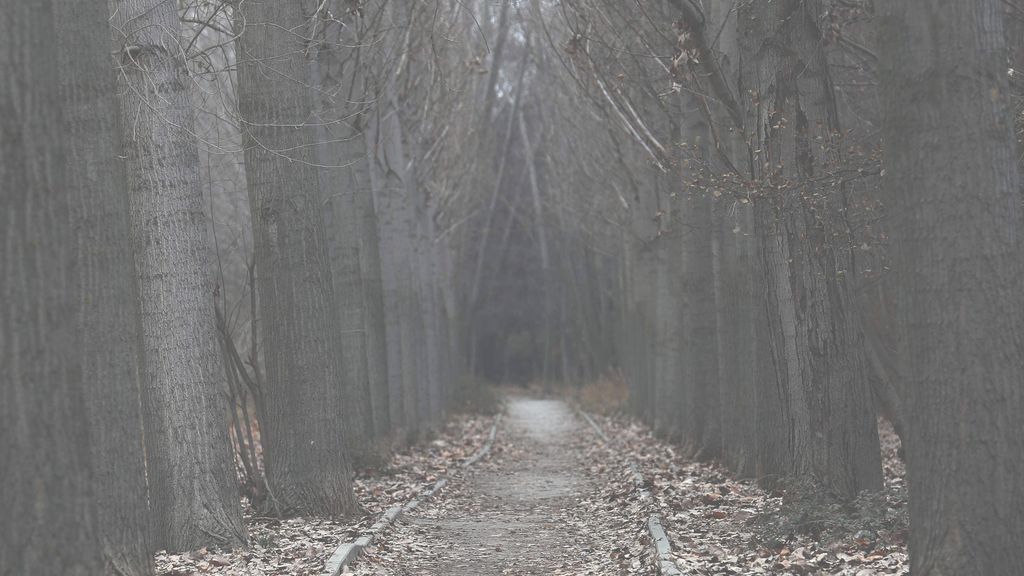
pixel 301 546
pixel 721 526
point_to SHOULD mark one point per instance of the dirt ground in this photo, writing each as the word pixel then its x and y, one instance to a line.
pixel 536 507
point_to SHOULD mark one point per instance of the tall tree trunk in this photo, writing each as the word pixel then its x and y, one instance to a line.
pixel 428 360
pixel 430 297
pixel 109 314
pixel 48 513
pixel 414 96
pixel 415 100
pixel 343 170
pixel 732 250
pixel 193 488
pixel 774 436
pixel 731 288
pixel 395 224
pixel 748 348
pixel 476 284
pixel 1013 25
pixel 669 352
pixel 456 355
pixel 339 180
pixel 373 304
pixel 384 192
pixel 308 468
pixel 702 431
pixel 559 286
pixel 734 309
pixel 702 427
pixel 814 333
pixel 642 311
pixel 497 61
pixel 950 163
pixel 354 95
pixel 542 246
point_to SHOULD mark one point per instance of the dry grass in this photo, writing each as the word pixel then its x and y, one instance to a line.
pixel 608 395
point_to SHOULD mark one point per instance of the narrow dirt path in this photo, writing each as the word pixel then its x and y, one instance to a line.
pixel 536 508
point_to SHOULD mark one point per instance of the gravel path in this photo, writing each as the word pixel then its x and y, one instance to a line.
pixel 538 506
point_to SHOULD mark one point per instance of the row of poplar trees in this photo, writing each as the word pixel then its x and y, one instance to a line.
pixel 114 418
pixel 800 213
pixel 823 222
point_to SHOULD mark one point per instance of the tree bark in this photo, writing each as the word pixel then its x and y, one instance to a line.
pixel 418 96
pixel 732 265
pixel 814 334
pixel 386 195
pixel 48 514
pixel 415 99
pixel 307 387
pixel 395 223
pixel 343 171
pixel 373 304
pixel 193 488
pixel 735 307
pixel 542 245
pixel 642 301
pixel 357 110
pixel 701 427
pixel 949 158
pixel 667 353
pixel 109 313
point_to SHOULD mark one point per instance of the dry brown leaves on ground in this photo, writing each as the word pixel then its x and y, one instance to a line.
pixel 301 546
pixel 721 526
pixel 614 512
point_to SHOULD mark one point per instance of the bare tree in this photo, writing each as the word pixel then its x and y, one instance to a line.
pixel 417 106
pixel 306 386
pixel 701 411
pixel 393 187
pixel 949 156
pixel 344 170
pixel 193 490
pixel 109 314
pixel 48 515
pixel 813 328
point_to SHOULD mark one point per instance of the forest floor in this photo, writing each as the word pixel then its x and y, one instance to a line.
pixel 301 546
pixel 553 498
pixel 719 525
pixel 541 505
